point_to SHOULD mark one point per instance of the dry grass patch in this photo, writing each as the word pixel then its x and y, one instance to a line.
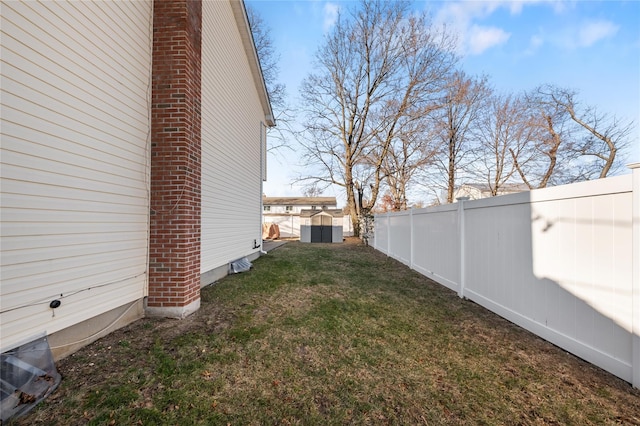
pixel 332 334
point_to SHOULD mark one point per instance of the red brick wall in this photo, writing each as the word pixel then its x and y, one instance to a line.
pixel 174 252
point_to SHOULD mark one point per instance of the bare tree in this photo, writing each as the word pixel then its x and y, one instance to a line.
pixel 387 204
pixel 312 190
pixel 598 138
pixel 268 57
pixel 463 101
pixel 410 153
pixel 568 143
pixel 546 158
pixel 380 61
pixel 504 133
pixel 279 135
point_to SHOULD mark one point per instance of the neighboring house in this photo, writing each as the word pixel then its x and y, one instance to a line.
pixel 476 191
pixel 133 155
pixel 294 205
pixel 285 212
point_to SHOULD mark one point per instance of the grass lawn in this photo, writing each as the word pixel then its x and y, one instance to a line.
pixel 319 334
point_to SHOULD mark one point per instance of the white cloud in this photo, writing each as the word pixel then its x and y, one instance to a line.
pixel 535 42
pixel 473 39
pixel 594 31
pixel 468 10
pixel 582 35
pixel 461 17
pixel 483 38
pixel 462 13
pixel 558 6
pixel 330 12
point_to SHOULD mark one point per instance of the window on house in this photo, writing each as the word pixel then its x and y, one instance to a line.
pixel 267 208
pixel 289 208
pixel 313 207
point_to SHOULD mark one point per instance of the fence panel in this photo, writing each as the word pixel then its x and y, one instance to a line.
pixel 558 262
pixel 498 252
pixel 399 237
pixel 381 233
pixel 436 244
pixel 289 224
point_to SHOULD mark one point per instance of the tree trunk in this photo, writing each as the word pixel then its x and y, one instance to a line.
pixel 451 172
pixel 353 207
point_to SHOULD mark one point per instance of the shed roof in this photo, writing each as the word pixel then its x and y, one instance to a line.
pixel 330 212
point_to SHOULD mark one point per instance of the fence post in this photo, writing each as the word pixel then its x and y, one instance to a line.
pixel 461 235
pixel 635 278
pixel 388 234
pixel 411 240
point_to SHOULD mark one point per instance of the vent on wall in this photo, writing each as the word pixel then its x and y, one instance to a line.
pixel 27 375
pixel 240 265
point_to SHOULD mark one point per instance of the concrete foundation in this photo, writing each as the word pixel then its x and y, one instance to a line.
pixel 67 341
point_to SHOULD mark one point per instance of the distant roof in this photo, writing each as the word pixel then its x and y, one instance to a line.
pixel 505 187
pixel 299 201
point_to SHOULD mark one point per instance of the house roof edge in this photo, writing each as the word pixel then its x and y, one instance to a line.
pixel 242 22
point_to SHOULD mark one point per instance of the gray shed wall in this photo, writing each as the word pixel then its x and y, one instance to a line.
pixel 305 233
pixel 336 234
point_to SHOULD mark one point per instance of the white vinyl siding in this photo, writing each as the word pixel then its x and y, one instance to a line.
pixel 231 138
pixel 263 151
pixel 74 161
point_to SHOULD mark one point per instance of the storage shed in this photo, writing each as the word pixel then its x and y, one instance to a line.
pixel 321 226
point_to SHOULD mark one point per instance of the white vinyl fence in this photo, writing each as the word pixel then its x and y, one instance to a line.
pixel 562 262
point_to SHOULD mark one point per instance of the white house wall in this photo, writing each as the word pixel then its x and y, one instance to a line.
pixel 231 138
pixel 74 174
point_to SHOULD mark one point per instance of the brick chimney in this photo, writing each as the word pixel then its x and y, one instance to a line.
pixel 174 247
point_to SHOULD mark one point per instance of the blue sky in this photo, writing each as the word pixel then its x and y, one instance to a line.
pixel 590 46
